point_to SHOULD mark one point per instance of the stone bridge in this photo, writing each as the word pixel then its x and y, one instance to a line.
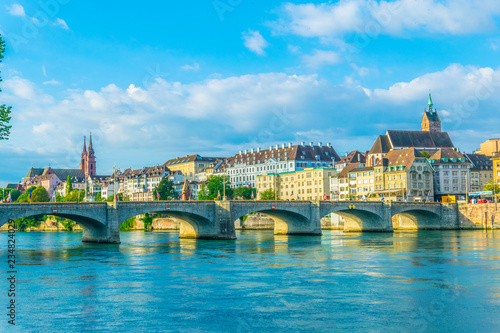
pixel 215 219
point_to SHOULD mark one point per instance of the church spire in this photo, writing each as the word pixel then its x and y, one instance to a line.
pixel 84 144
pixel 431 105
pixel 91 149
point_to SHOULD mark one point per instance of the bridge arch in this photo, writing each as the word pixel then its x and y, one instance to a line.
pixel 290 217
pixel 359 216
pixel 416 216
pixel 196 219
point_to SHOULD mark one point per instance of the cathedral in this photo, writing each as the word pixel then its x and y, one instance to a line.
pixel 87 162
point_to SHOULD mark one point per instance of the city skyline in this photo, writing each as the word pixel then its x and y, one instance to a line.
pixel 213 79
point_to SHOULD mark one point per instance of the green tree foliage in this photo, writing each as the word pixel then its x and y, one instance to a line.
pixel 426 154
pixel 165 189
pixel 75 196
pixel 25 196
pixel 40 194
pixel 15 194
pixel 491 186
pixel 213 186
pixel 69 185
pixel 68 224
pixel 243 192
pixel 28 222
pixel 4 110
pixel 269 194
pixel 127 224
pixel 148 221
pixel 98 197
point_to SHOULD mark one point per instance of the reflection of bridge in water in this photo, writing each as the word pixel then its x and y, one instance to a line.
pixel 215 219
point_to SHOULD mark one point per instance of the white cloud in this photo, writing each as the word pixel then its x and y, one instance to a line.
pixel 322 58
pixel 52 82
pixel 61 23
pixel 16 10
pixel 194 67
pixel 254 41
pixel 224 115
pixel 44 71
pixel 398 17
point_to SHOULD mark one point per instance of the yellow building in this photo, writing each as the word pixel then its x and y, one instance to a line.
pixel 362 182
pixel 496 167
pixel 308 184
pixel 190 165
pixel 404 174
pixel 489 147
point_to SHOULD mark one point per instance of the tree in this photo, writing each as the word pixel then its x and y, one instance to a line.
pixel 269 194
pixel 74 196
pixel 98 197
pixel 4 111
pixel 213 187
pixel 243 192
pixel 148 221
pixel 25 196
pixel 15 194
pixel 491 186
pixel 40 194
pixel 69 185
pixel 165 189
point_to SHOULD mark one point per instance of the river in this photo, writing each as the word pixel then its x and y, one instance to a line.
pixel 446 281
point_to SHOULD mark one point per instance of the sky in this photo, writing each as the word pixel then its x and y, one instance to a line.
pixel 157 80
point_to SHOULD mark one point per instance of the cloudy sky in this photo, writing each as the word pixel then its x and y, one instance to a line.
pixel 155 81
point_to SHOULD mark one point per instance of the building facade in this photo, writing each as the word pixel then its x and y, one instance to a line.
pixel 452 174
pixel 244 168
pixel 481 172
pixel 308 184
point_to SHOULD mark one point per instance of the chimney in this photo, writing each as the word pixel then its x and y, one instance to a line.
pixel 283 146
pixel 319 144
pixel 289 145
pixel 277 146
pixel 245 151
pixel 258 149
pixel 270 147
pixel 311 144
pixel 251 150
pixel 302 143
pixel 240 152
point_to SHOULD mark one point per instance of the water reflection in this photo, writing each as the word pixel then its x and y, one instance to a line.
pixel 405 281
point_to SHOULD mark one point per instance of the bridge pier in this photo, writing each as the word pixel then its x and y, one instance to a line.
pixel 109 233
pixel 220 228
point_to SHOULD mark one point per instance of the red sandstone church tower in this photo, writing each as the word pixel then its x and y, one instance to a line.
pixel 87 162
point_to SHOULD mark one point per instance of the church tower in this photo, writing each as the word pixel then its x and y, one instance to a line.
pixel 90 165
pixel 84 154
pixel 431 121
pixel 87 161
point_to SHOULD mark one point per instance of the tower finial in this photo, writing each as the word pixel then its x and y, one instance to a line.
pixel 430 102
pixel 84 144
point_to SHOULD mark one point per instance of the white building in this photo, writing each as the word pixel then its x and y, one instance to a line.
pixel 244 167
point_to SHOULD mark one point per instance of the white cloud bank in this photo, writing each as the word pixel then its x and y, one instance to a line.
pixel 456 17
pixel 221 116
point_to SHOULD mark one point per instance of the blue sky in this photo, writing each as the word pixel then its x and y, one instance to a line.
pixel 154 80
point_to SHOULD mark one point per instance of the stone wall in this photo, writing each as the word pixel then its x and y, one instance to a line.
pixel 255 222
pixel 478 215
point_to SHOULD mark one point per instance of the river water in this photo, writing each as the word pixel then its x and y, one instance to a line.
pixel 373 282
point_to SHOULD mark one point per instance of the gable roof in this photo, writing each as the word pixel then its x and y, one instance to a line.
pixel 283 153
pixel 354 156
pixel 419 139
pixel 402 157
pixel 381 146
